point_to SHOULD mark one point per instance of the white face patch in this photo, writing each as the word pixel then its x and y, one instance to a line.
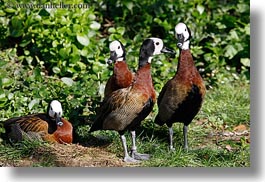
pixel 159 45
pixel 55 107
pixel 181 28
pixel 116 46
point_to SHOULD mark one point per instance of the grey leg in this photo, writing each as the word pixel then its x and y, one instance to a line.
pixel 135 154
pixel 185 134
pixel 127 158
pixel 171 138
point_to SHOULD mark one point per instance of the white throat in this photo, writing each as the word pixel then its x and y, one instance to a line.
pixel 186 45
pixel 150 59
pixel 120 59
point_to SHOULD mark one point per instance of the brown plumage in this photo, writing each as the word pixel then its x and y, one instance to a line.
pixel 125 108
pixel 122 77
pixel 182 96
pixel 48 126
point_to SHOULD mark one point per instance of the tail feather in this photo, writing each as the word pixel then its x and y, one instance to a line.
pixel 95 126
pixel 15 134
pixel 159 121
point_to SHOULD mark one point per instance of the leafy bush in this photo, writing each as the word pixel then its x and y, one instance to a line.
pixel 67 41
pixel 58 39
pixel 220 30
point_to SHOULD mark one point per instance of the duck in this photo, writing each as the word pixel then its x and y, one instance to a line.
pixel 126 108
pixel 182 96
pixel 49 126
pixel 122 77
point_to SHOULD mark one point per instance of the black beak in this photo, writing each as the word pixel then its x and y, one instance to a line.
pixel 110 61
pixel 113 57
pixel 58 120
pixel 168 51
pixel 180 38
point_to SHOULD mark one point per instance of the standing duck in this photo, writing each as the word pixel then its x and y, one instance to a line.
pixel 122 77
pixel 181 98
pixel 50 126
pixel 125 108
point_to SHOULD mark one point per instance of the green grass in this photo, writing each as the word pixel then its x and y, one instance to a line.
pixel 224 108
pixel 18 153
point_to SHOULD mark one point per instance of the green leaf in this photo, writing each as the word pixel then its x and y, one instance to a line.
pixel 247 29
pixel 92 17
pixel 10 96
pixel 219 25
pixel 230 51
pixel 95 25
pixel 245 61
pixel 84 52
pixel 46 32
pixel 76 28
pixel 2 63
pixel 2 13
pixel 25 42
pixel 7 82
pixel 33 103
pixel 37 74
pixel 55 43
pixel 81 65
pixel 121 30
pixel 233 35
pixel 74 58
pixel 56 70
pixel 16 29
pixel 129 5
pixel 200 8
pixel 26 52
pixel 91 34
pixel 67 81
pixel 64 52
pixel 3 97
pixel 47 22
pixel 111 30
pixel 243 8
pixel 83 39
pixel 10 10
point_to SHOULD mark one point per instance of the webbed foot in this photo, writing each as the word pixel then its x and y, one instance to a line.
pixel 130 160
pixel 139 156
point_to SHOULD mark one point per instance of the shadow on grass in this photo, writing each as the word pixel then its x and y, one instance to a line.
pixel 151 131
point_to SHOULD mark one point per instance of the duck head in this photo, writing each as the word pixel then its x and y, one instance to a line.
pixel 117 52
pixel 55 111
pixel 151 47
pixel 183 35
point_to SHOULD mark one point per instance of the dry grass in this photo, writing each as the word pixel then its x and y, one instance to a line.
pixel 73 155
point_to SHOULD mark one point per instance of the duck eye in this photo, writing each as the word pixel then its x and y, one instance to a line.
pixel 157 43
pixel 185 29
pixel 119 47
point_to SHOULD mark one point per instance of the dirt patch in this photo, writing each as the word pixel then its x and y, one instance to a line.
pixel 73 155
